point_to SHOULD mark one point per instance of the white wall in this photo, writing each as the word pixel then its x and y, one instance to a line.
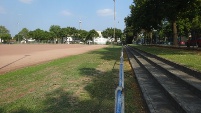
pixel 100 40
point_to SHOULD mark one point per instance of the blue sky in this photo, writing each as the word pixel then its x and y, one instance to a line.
pixel 33 14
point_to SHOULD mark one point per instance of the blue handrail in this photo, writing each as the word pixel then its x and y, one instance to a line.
pixel 119 93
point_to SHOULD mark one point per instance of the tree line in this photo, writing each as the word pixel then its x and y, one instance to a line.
pixel 57 33
pixel 163 18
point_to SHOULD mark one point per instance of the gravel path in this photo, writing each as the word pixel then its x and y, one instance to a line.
pixel 16 56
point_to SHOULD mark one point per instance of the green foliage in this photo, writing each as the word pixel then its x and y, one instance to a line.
pixel 39 34
pixel 83 34
pixel 68 31
pixel 23 34
pixel 196 23
pixel 148 15
pixel 57 33
pixel 109 32
pixel 184 27
pixel 129 30
pixel 5 37
pixel 3 30
pixel 4 34
pixel 166 29
pixel 55 29
pixel 92 34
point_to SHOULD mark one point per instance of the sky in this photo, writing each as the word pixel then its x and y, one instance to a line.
pixel 84 14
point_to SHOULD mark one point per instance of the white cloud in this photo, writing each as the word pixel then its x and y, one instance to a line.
pixel 65 13
pixel 105 12
pixel 26 1
pixel 2 10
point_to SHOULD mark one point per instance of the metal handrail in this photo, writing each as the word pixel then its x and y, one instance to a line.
pixel 119 92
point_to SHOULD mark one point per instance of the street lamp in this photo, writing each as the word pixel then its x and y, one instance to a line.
pixel 114 19
pixel 18 25
pixel 80 22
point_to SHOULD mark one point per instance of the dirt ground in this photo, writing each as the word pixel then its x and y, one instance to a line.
pixel 17 56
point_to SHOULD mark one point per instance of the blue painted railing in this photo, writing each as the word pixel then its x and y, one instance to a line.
pixel 119 93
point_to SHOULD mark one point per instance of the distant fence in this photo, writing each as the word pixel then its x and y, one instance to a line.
pixel 119 92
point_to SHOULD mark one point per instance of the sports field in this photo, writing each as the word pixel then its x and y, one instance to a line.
pixel 16 56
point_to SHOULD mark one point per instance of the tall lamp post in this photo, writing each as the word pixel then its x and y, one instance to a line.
pixel 18 24
pixel 80 23
pixel 18 27
pixel 114 20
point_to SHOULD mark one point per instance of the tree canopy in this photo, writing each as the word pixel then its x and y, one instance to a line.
pixel 56 33
pixel 149 15
pixel 4 34
pixel 109 32
pixel 92 34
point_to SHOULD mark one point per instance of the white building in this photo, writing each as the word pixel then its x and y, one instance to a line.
pixel 100 39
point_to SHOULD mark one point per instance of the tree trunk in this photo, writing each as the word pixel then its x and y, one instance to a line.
pixel 150 34
pixel 175 43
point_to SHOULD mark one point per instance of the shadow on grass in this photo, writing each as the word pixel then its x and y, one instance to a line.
pixel 100 90
pixel 18 110
pixel 99 99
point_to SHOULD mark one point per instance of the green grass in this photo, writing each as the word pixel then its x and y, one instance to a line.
pixel 77 84
pixel 188 58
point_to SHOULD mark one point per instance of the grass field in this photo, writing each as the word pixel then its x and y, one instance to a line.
pixel 188 58
pixel 77 84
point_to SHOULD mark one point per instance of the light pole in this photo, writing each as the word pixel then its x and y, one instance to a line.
pixel 80 23
pixel 114 20
pixel 18 24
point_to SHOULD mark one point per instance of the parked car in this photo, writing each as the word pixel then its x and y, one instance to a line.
pixel 181 43
pixel 193 42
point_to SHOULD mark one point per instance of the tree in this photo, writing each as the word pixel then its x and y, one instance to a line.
pixel 92 34
pixel 146 17
pixel 118 33
pixel 196 27
pixel 83 34
pixel 109 32
pixel 4 34
pixel 50 36
pixel 23 34
pixel 56 30
pixel 128 31
pixel 38 34
pixel 180 9
pixel 184 26
pixel 148 14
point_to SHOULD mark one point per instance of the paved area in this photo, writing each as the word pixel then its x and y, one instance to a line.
pixel 16 56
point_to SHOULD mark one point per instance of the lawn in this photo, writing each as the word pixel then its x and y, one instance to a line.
pixel 188 58
pixel 77 84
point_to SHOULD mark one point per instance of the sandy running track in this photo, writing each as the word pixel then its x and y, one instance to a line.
pixel 13 57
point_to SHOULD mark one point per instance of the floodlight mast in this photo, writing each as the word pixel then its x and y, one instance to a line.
pixel 114 19
pixel 80 23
